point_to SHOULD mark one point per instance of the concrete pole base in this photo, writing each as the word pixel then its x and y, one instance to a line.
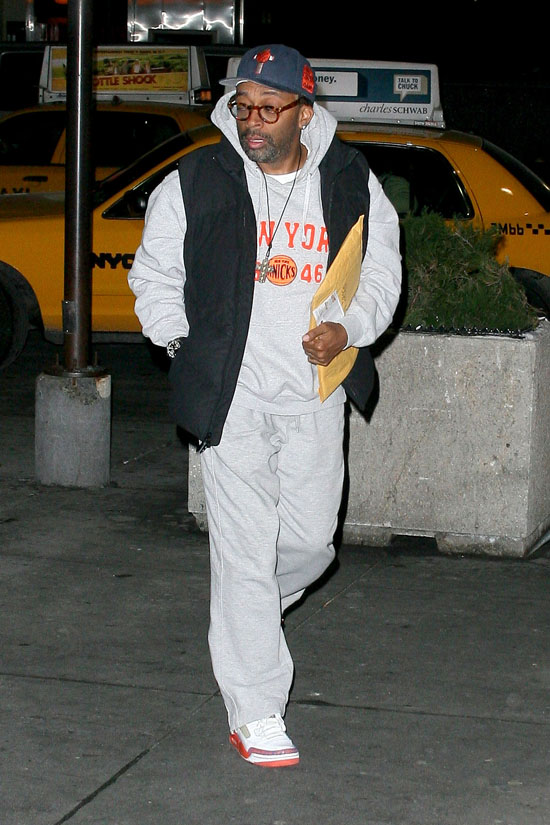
pixel 73 429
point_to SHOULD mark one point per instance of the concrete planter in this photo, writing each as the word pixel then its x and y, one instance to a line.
pixel 457 447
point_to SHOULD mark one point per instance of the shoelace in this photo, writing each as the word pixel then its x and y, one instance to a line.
pixel 270 728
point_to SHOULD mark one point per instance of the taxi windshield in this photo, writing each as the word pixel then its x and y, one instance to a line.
pixel 123 178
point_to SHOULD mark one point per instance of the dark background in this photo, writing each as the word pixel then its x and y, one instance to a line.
pixel 493 59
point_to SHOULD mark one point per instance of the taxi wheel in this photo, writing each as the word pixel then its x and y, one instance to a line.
pixel 536 286
pixel 540 296
pixel 13 325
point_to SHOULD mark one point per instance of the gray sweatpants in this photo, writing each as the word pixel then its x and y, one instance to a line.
pixel 273 488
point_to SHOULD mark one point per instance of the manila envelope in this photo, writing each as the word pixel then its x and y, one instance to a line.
pixel 338 288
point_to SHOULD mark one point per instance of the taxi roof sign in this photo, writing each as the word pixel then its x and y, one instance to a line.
pixel 175 74
pixel 379 91
pixel 376 91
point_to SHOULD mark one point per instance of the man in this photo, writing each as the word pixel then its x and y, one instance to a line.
pixel 234 248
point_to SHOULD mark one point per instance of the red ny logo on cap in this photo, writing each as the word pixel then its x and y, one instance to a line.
pixel 308 80
pixel 262 57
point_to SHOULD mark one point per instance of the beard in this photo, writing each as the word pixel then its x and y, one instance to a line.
pixel 270 153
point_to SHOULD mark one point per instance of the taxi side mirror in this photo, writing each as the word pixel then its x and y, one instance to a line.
pixel 136 203
pixel 131 205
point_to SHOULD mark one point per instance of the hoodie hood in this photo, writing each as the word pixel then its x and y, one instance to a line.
pixel 316 137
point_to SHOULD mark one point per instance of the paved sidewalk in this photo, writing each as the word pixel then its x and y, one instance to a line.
pixel 422 690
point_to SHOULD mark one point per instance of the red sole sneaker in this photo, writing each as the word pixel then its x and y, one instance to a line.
pixel 264 758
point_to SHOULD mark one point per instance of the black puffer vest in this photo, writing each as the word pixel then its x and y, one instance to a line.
pixel 220 259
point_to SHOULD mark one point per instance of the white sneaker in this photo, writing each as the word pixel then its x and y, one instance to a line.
pixel 264 742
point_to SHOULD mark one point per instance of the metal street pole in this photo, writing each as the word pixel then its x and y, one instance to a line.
pixel 73 401
pixel 77 304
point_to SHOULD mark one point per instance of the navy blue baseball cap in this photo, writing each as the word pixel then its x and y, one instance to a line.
pixel 278 67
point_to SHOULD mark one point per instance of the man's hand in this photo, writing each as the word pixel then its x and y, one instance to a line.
pixel 324 342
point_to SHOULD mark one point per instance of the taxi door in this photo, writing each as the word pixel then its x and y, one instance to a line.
pixel 32 179
pixel 16 180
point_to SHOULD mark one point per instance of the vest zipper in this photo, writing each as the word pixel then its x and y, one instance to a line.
pixel 203 445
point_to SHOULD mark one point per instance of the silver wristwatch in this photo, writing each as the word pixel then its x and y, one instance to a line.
pixel 173 346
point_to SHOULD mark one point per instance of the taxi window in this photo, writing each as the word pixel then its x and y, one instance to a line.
pixel 133 203
pixel 121 137
pixel 125 179
pixel 416 178
pixel 30 138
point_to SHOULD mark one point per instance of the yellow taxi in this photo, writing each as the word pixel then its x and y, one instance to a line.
pixel 143 96
pixel 393 114
pixel 463 176
pixel 32 231
pixel 454 174
pixel 33 140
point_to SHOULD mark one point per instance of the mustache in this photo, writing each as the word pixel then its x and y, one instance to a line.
pixel 253 133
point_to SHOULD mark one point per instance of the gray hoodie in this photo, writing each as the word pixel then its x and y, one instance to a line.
pixel 275 375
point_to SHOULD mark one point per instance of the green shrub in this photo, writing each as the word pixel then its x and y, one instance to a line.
pixel 454 281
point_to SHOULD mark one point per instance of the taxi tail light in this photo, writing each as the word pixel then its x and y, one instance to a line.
pixel 201 95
